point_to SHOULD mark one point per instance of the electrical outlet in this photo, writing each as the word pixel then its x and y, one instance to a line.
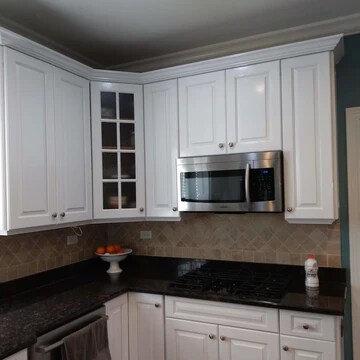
pixel 72 240
pixel 146 234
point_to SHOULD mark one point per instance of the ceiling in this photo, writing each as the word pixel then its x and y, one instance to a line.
pixel 112 33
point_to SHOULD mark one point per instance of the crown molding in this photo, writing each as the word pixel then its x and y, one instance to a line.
pixel 329 43
pixel 342 25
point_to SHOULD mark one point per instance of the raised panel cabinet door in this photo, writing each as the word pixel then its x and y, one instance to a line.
pixel 118 150
pixel 202 114
pixel 118 323
pixel 146 327
pixel 191 340
pixel 73 149
pixel 253 108
pixel 30 141
pixel 309 141
pixel 21 355
pixel 236 343
pixel 161 148
pixel 295 348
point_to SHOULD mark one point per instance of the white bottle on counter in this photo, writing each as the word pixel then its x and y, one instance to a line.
pixel 311 272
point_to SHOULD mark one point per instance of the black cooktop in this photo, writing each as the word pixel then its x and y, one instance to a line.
pixel 243 283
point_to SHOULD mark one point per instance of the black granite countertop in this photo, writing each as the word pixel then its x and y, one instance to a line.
pixel 32 306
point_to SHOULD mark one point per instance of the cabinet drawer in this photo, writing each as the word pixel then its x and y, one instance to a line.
pixel 250 317
pixel 309 325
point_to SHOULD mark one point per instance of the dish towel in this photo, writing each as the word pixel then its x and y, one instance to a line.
pixel 89 343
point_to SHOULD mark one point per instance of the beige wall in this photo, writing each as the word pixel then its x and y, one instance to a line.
pixel 248 237
pixel 22 255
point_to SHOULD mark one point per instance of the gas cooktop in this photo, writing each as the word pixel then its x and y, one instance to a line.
pixel 239 282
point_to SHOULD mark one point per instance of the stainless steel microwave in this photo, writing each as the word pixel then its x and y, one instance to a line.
pixel 248 182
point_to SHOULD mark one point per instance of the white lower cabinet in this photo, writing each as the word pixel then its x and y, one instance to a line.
pixel 295 348
pixel 118 323
pixel 146 327
pixel 191 340
pixel 21 355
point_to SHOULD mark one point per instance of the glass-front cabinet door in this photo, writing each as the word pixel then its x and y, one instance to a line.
pixel 118 150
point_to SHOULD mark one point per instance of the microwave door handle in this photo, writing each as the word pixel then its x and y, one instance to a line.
pixel 247 185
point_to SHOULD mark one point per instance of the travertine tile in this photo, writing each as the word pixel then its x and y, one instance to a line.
pixel 238 237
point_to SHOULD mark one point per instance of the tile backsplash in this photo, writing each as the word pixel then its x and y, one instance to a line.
pixel 238 237
pixel 26 254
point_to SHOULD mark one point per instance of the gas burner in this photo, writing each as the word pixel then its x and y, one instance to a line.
pixel 239 282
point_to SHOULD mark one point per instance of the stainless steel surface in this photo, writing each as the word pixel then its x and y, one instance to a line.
pixel 54 215
pixel 62 214
pixel 48 346
pixel 211 336
pixel 231 144
pixel 285 348
pixel 289 209
pixel 257 160
pixel 221 145
pixel 247 185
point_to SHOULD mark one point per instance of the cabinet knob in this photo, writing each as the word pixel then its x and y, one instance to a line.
pixel 174 208
pixel 289 209
pixel 54 215
pixel 231 144
pixel 211 336
pixel 306 327
pixel 62 214
pixel 141 209
pixel 221 145
pixel 285 348
pixel 222 338
pixel 157 305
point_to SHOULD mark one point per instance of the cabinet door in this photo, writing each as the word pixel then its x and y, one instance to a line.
pixel 146 327
pixel 30 141
pixel 117 311
pixel 295 348
pixel 309 139
pixel 73 154
pixel 253 108
pixel 21 355
pixel 191 340
pixel 202 113
pixel 161 148
pixel 236 343
pixel 118 150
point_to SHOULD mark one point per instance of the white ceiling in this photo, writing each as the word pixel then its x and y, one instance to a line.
pixel 106 33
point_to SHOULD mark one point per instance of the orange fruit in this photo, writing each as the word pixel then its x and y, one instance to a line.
pixel 100 250
pixel 110 249
pixel 117 248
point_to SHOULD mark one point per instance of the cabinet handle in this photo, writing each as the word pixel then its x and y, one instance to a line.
pixel 211 336
pixel 174 208
pixel 221 145
pixel 222 338
pixel 285 348
pixel 141 209
pixel 62 214
pixel 54 215
pixel 306 327
pixel 231 144
pixel 289 209
pixel 157 305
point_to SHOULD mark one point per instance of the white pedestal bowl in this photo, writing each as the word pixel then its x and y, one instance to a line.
pixel 114 260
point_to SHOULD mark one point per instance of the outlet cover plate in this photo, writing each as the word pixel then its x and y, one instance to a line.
pixel 146 234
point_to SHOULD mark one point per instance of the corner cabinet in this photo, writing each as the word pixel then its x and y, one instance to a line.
pixel 118 150
pixel 47 144
pixel 161 148
pixel 309 139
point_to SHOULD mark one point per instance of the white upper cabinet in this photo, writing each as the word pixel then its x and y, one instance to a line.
pixel 309 139
pixel 73 149
pixel 202 114
pixel 118 150
pixel 161 148
pixel 47 122
pixel 253 108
